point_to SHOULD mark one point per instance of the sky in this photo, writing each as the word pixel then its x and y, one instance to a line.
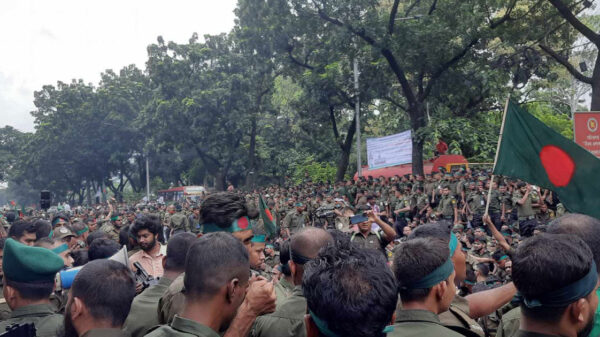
pixel 48 41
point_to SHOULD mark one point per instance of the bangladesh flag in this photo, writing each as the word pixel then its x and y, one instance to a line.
pixel 535 153
pixel 267 217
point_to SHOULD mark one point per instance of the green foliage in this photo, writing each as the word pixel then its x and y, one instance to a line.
pixel 557 120
pixel 316 171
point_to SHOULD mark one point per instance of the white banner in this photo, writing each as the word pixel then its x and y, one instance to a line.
pixel 390 150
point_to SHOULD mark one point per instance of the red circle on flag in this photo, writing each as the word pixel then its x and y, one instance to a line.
pixel 243 222
pixel 558 164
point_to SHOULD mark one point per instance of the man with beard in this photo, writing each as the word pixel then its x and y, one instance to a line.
pixel 27 284
pixel 99 300
pixel 216 279
pixel 143 314
pixel 557 277
pixel 146 229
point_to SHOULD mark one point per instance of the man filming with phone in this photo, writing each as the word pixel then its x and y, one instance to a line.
pixel 367 237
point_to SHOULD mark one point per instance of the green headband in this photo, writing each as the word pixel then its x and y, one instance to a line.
pixel 440 274
pixel 259 238
pixel 504 257
pixel 238 225
pixel 60 248
pixel 81 231
pixel 453 244
pixel 568 294
pixel 114 218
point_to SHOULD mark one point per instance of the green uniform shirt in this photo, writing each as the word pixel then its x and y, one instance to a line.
pixel 46 321
pixel 476 201
pixel 524 210
pixel 446 206
pixel 172 301
pixel 106 333
pixel 287 320
pixel 143 314
pixel 283 290
pixel 179 221
pixel 374 240
pixel 419 323
pixel 495 202
pixel 295 221
pixel 457 317
pixel 510 322
pixel 182 327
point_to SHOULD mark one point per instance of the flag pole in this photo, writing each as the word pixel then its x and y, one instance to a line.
pixel 489 196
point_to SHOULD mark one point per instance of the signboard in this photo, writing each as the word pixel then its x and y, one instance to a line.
pixel 587 131
pixel 390 150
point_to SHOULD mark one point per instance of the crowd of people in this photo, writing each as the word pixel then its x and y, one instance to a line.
pixel 448 254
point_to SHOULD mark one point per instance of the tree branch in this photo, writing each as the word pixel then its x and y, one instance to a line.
pixel 566 64
pixel 445 66
pixel 336 132
pixel 566 13
pixel 506 15
pixel 393 13
pixel 411 7
pixel 295 60
pixel 432 7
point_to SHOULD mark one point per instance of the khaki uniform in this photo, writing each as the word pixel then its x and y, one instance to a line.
pixel 172 301
pixel 295 221
pixel 46 321
pixel 419 323
pixel 106 333
pixel 143 314
pixel 272 261
pixel 182 327
pixel 287 320
pixel 283 290
pixel 457 318
pixel 111 230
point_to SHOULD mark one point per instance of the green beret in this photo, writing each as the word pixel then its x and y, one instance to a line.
pixel 23 263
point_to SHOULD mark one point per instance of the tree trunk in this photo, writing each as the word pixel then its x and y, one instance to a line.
pixel 346 148
pixel 251 175
pixel 220 181
pixel 595 105
pixel 417 121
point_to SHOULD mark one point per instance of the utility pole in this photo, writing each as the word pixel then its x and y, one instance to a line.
pixel 147 180
pixel 357 108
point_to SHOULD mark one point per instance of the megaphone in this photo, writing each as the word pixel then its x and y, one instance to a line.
pixel 121 257
pixel 64 278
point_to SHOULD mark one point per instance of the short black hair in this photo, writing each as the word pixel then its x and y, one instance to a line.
pixel 583 226
pixel 42 228
pixel 352 289
pixel 212 261
pixel 95 235
pixel 547 262
pixel 80 257
pixel 32 291
pixel 483 269
pixel 224 208
pixel 440 230
pixel 498 254
pixel 102 248
pixel 415 259
pixel 177 249
pixel 150 222
pixel 18 229
pixel 107 289
pixel 77 226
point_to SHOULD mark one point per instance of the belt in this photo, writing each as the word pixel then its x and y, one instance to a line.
pixel 531 217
